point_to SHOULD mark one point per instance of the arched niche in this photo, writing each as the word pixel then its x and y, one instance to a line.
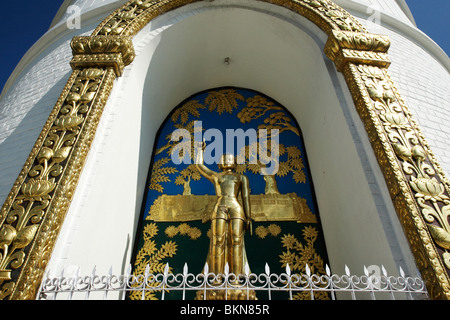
pixel 176 60
pixel 266 140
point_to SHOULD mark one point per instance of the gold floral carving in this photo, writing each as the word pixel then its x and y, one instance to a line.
pixel 417 184
pixel 33 213
pixel 35 208
pixel 183 230
pixel 273 230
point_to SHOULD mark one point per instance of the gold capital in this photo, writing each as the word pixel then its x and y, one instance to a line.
pixel 345 47
pixel 102 51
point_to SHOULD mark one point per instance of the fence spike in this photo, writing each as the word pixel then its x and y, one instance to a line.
pixel 166 270
pixel 147 270
pixel 347 271
pixel 185 269
pixel 402 273
pixel 227 269
pixel 308 271
pixel 267 269
pixel 366 272
pixel 288 269
pixel 71 287
pixel 206 269
pixel 383 270
pixel 247 269
pixel 128 271
pixel 46 275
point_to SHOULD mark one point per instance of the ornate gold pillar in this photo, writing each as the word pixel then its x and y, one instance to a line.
pixel 35 209
pixel 416 183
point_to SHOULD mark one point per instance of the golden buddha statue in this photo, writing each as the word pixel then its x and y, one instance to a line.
pixel 229 220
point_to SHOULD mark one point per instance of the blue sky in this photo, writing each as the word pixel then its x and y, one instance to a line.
pixel 24 22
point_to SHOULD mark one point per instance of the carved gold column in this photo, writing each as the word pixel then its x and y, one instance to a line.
pixel 37 204
pixel 417 184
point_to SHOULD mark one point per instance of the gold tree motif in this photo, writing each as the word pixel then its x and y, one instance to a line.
pixel 280 121
pixel 149 255
pixel 257 106
pixel 183 112
pixel 293 163
pixel 298 255
pixel 223 100
pixel 185 176
pixel 172 145
pixel 159 174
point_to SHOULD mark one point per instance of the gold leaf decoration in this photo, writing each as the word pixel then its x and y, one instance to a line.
pixel 279 121
pixel 257 106
pixel 441 236
pixel 172 146
pixel 273 230
pixel 159 174
pixel 25 236
pixel 293 164
pixel 184 230
pixel 223 100
pixel 190 107
pixel 298 255
pixel 153 257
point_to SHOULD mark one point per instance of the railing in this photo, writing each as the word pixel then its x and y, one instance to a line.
pixel 266 286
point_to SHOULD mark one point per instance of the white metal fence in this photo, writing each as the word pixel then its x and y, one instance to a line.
pixel 267 285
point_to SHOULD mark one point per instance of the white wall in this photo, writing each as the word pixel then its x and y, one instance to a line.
pixel 87 9
pixel 395 9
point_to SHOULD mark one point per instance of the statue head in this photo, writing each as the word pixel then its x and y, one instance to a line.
pixel 227 162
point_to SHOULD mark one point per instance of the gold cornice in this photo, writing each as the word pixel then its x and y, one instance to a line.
pixel 362 41
pixel 34 211
pixel 102 51
pixel 345 47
